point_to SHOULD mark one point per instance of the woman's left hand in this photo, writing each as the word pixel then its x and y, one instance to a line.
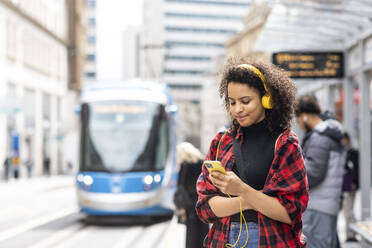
pixel 229 184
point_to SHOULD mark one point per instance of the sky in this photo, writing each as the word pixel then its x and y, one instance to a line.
pixel 113 18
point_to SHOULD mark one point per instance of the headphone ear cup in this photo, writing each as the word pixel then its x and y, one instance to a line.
pixel 266 102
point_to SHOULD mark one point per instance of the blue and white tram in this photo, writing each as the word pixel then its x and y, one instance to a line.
pixel 127 150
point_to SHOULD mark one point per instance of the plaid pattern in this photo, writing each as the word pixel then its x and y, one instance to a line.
pixel 286 181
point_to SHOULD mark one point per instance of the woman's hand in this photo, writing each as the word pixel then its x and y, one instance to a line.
pixel 229 184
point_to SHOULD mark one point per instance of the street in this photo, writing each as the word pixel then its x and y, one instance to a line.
pixel 42 212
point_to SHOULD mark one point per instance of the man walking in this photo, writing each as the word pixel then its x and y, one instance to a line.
pixel 324 161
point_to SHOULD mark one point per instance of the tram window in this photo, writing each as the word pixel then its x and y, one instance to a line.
pixel 124 136
pixel 162 146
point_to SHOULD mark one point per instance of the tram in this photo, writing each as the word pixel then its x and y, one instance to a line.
pixel 127 150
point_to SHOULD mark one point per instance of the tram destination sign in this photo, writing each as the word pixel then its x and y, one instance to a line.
pixel 311 64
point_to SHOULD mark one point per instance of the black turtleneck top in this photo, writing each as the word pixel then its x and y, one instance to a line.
pixel 258 153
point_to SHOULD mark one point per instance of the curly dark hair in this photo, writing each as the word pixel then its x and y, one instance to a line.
pixel 307 104
pixel 280 87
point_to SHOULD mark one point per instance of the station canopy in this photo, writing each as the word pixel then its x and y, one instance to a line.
pixel 302 25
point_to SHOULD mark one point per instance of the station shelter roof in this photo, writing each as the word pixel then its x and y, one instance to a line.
pixel 314 24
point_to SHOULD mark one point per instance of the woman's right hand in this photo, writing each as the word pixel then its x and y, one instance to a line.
pixel 228 184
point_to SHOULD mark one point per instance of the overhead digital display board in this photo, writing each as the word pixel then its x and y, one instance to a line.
pixel 311 64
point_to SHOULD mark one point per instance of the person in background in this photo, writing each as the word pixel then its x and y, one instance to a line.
pixel 7 166
pixel 350 186
pixel 266 181
pixel 189 159
pixel 15 167
pixel 29 165
pixel 324 161
pixel 70 168
pixel 46 164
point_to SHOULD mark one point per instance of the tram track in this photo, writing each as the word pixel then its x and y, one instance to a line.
pixel 59 236
pixel 73 230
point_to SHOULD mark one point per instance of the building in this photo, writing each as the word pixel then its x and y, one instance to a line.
pixel 131 53
pixel 115 29
pixel 36 48
pixel 179 41
pixel 214 116
pixel 90 65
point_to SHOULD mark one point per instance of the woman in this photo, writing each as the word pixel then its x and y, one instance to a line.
pixel 272 187
pixel 190 159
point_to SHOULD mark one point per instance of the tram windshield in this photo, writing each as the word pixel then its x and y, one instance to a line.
pixel 124 136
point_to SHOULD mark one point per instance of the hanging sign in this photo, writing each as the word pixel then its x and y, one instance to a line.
pixel 311 64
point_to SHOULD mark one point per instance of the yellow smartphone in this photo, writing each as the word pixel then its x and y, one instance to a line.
pixel 214 165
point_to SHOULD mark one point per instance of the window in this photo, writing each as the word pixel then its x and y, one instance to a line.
pixel 193 44
pixel 90 74
pixel 29 108
pixel 46 106
pixel 12 90
pixel 11 97
pixel 194 72
pixel 200 30
pixel 11 40
pixel 185 86
pixel 92 21
pixel 91 39
pixel 91 57
pixel 91 3
pixel 211 2
pixel 204 16
pixel 189 58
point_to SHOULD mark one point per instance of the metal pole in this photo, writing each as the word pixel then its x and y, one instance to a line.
pixel 347 107
pixel 348 110
pixel 364 137
pixel 331 91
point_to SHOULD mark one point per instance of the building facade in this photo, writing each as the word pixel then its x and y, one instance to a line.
pixel 180 40
pixel 131 53
pixel 214 116
pixel 90 65
pixel 34 80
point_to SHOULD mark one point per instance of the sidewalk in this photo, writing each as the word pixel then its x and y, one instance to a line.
pixel 351 245
pixel 15 191
pixel 37 183
pixel 341 224
pixel 175 235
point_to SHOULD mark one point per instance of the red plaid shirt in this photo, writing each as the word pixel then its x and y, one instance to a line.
pixel 286 181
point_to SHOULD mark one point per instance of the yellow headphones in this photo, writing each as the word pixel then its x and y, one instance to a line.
pixel 266 99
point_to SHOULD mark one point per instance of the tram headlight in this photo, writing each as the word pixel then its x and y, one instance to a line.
pixel 157 178
pixel 80 178
pixel 88 180
pixel 148 179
